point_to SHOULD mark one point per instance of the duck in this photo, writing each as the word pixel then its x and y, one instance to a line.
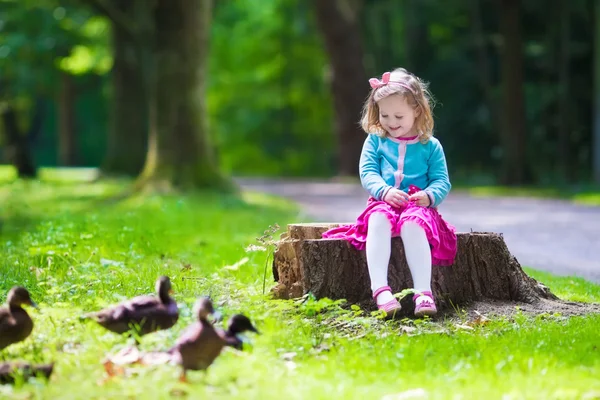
pixel 141 314
pixel 238 324
pixel 200 343
pixel 8 370
pixel 15 324
pixel 196 348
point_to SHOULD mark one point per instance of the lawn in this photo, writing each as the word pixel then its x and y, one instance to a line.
pixel 77 249
pixel 587 195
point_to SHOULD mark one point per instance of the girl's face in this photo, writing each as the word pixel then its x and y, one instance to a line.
pixel 396 116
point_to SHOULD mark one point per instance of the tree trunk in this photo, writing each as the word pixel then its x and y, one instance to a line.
pixel 17 145
pixel 416 37
pixel 339 25
pixel 484 269
pixel 514 140
pixel 67 147
pixel 596 110
pixel 483 62
pixel 566 162
pixel 128 133
pixel 179 151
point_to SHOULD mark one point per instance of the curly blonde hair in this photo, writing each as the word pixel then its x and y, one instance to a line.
pixel 416 93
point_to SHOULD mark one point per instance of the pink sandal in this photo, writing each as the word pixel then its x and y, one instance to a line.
pixel 425 307
pixel 391 307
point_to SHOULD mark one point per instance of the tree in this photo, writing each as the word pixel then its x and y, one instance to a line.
pixel 170 39
pixel 16 141
pixel 513 137
pixel 339 25
pixel 128 133
pixel 596 113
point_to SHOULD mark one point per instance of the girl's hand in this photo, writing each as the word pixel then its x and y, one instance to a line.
pixel 420 199
pixel 396 197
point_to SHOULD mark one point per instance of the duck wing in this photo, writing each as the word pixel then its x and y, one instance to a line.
pixel 148 312
pixel 6 319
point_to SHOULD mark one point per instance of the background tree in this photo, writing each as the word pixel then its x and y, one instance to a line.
pixel 513 129
pixel 339 23
pixel 171 42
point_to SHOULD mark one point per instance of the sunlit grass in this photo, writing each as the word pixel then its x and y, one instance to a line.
pixel 78 250
pixel 588 196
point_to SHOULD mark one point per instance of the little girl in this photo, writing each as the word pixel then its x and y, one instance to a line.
pixel 403 168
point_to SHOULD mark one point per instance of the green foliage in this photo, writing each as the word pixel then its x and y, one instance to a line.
pixel 42 34
pixel 40 40
pixel 269 105
pixel 268 95
pixel 92 52
pixel 78 249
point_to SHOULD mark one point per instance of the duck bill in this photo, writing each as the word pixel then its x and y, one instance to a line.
pixel 253 329
pixel 33 304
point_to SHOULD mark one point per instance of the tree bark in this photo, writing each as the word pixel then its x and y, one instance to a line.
pixel 67 146
pixel 333 268
pixel 596 96
pixel 339 25
pixel 514 140
pixel 416 37
pixel 567 166
pixel 179 152
pixel 17 145
pixel 128 133
pixel 483 62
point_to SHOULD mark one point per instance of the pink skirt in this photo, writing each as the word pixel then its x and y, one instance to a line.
pixel 440 234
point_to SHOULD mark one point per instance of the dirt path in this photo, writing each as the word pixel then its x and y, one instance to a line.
pixel 550 235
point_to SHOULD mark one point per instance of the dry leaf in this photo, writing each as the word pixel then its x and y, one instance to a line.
pixel 289 356
pixel 479 320
pixel 465 327
pixel 237 265
pixel 407 329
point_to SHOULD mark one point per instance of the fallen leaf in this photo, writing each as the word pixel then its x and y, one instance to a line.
pixel 289 356
pixel 186 267
pixel 465 327
pixel 237 265
pixel 178 393
pixel 479 320
pixel 407 329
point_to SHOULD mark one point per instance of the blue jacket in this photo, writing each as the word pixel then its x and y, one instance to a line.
pixel 391 162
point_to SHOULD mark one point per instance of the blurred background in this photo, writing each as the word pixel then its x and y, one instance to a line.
pixel 275 87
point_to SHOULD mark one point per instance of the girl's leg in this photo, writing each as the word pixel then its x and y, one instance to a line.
pixel 378 249
pixel 418 257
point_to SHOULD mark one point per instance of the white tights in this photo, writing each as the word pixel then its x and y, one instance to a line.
pixel 378 248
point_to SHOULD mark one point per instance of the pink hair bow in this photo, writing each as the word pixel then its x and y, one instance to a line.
pixel 376 83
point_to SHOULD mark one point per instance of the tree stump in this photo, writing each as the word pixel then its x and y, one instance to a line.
pixel 484 269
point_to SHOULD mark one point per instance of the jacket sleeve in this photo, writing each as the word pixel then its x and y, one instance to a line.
pixel 370 169
pixel 439 181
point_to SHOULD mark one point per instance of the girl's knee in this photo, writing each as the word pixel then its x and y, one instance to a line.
pixel 411 228
pixel 379 220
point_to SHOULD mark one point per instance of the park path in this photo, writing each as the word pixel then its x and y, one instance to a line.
pixel 550 235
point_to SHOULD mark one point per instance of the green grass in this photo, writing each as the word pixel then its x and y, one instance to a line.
pixel 588 196
pixel 77 251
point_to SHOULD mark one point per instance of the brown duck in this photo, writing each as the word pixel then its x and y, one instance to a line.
pixel 15 324
pixel 141 314
pixel 238 324
pixel 197 347
pixel 200 343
